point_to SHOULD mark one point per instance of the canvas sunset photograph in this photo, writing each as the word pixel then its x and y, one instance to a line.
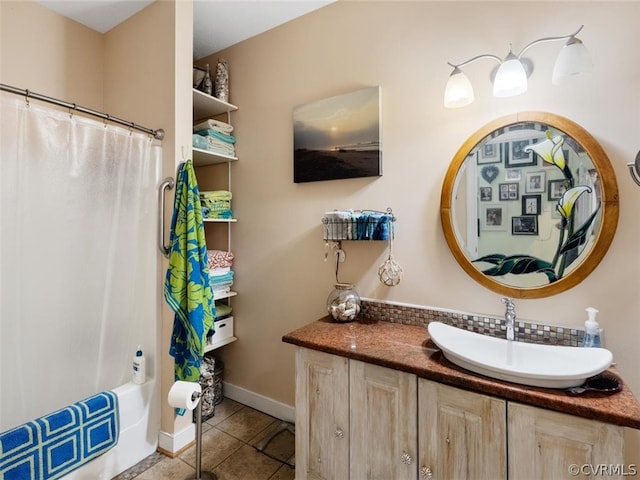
pixel 338 137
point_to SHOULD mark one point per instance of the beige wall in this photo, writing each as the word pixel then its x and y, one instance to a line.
pixel 49 54
pixel 148 77
pixel 403 47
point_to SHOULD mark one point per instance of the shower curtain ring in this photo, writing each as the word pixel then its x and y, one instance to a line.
pixel 26 97
pixel 106 119
pixel 72 110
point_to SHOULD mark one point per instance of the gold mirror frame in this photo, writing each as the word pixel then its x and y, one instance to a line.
pixel 609 205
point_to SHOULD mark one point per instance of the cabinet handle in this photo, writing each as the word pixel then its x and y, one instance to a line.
pixel 406 458
pixel 339 433
pixel 425 472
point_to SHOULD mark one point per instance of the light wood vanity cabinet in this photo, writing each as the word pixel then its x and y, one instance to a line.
pixel 322 416
pixel 545 444
pixel 383 404
pixel 356 420
pixel 462 435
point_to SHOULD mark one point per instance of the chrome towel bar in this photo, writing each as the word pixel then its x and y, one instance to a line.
pixel 167 183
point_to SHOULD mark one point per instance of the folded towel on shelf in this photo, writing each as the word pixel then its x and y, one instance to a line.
pixel 350 225
pixel 216 135
pixel 219 259
pixel 221 291
pixel 213 145
pixel 216 204
pixel 216 195
pixel 222 311
pixel 338 225
pixel 222 278
pixel 219 271
pixel 213 125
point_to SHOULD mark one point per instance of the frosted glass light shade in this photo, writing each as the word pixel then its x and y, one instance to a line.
pixel 511 78
pixel 573 59
pixel 458 92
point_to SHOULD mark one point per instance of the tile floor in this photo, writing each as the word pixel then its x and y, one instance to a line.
pixel 228 450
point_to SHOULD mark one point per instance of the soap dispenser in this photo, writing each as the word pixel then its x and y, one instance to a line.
pixel 592 336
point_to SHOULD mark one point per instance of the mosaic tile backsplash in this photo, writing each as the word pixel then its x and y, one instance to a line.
pixel 525 331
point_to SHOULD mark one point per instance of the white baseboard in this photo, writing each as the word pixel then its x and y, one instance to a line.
pixel 174 443
pixel 260 402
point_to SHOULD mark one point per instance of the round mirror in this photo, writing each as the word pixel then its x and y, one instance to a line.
pixel 529 205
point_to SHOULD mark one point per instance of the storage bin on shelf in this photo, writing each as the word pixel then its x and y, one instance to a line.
pixel 358 225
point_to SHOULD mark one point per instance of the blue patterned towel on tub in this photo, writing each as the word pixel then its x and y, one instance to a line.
pixel 52 446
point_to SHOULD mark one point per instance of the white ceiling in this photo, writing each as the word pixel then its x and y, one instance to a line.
pixel 217 24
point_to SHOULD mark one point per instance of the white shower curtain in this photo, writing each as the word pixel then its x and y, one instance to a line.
pixel 78 257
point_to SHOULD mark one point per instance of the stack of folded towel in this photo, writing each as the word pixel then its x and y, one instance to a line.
pixel 220 274
pixel 216 204
pixel 214 136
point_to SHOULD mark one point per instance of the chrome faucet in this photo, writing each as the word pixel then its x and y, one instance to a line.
pixel 510 317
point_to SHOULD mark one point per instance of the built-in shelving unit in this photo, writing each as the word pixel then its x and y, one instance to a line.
pixel 206 107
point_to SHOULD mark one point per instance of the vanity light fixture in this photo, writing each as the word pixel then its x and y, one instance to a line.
pixel 511 76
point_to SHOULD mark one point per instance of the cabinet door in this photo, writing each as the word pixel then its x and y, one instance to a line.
pixel 462 435
pixel 545 444
pixel 322 416
pixel 383 423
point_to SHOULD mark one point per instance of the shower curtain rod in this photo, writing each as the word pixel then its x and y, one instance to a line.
pixel 157 134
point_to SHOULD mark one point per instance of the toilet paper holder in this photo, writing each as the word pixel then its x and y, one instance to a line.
pixel 192 403
pixel 200 475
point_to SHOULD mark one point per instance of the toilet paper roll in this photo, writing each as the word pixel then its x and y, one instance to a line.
pixel 181 394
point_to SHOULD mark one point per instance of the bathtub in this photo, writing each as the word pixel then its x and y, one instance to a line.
pixel 139 428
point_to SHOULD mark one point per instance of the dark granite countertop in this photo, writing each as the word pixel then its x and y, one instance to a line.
pixel 409 349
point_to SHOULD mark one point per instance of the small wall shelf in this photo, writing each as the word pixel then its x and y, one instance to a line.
pixel 358 225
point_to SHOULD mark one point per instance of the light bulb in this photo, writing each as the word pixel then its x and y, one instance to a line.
pixel 511 78
pixel 573 59
pixel 458 91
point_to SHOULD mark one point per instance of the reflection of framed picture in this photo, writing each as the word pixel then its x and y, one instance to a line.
pixel 519 157
pixel 509 191
pixel 555 189
pixel 512 174
pixel 492 217
pixel 489 153
pixel 534 182
pixel 486 194
pixel 524 225
pixel 531 204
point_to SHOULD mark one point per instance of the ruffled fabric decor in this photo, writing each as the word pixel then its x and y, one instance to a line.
pixel 187 289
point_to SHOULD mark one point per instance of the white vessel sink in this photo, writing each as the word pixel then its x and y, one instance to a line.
pixel 546 366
